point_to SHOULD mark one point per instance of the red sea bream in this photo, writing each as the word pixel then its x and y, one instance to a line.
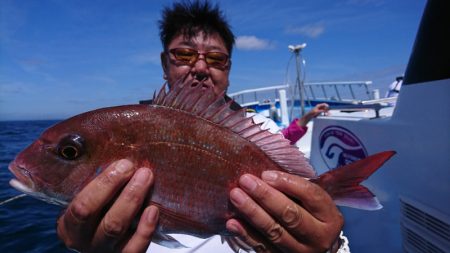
pixel 197 148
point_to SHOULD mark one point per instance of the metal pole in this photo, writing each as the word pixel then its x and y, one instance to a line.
pixel 299 83
pixel 296 50
pixel 283 107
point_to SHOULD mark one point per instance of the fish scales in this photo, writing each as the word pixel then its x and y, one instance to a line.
pixel 195 166
pixel 195 161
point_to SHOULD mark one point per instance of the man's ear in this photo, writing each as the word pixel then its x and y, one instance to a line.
pixel 164 64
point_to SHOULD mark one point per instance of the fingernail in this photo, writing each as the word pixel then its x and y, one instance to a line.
pixel 142 175
pixel 269 176
pixel 247 183
pixel 233 228
pixel 124 165
pixel 238 197
pixel 152 214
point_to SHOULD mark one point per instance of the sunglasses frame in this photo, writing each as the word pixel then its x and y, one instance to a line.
pixel 196 56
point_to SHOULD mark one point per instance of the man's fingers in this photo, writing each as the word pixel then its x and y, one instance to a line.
pixel 119 217
pixel 252 241
pixel 141 239
pixel 284 210
pixel 77 225
pixel 262 221
pixel 100 190
pixel 313 198
pixel 320 215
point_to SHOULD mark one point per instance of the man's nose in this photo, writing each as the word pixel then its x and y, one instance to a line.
pixel 200 69
pixel 200 76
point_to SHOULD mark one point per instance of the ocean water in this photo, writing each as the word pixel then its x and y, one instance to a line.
pixel 26 224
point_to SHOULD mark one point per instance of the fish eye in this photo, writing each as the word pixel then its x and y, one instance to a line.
pixel 71 147
pixel 69 152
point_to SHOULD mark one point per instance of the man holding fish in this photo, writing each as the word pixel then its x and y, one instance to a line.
pixel 281 212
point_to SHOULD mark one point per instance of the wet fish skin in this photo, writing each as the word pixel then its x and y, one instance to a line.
pixel 188 186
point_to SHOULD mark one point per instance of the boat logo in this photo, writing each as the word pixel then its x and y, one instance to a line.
pixel 338 146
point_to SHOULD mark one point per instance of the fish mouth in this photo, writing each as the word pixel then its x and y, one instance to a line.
pixel 16 184
pixel 24 183
pixel 23 176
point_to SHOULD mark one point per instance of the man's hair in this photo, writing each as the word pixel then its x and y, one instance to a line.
pixel 190 17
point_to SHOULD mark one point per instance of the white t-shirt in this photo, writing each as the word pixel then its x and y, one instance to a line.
pixel 193 244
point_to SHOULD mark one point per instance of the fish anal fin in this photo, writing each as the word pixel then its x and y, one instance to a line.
pixel 166 241
pixel 236 244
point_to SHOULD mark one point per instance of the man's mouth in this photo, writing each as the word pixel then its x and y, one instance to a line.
pixel 203 84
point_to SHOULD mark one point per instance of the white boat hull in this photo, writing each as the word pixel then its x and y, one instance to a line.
pixel 418 176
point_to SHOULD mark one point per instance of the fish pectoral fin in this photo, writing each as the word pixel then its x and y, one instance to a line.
pixel 167 241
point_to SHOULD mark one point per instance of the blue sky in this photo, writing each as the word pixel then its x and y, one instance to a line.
pixel 59 58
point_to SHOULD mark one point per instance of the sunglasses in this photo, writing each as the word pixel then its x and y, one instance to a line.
pixel 188 56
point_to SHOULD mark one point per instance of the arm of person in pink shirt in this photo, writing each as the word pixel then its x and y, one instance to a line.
pixel 298 127
pixel 294 131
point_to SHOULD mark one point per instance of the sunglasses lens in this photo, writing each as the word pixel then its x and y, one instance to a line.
pixel 216 59
pixel 185 55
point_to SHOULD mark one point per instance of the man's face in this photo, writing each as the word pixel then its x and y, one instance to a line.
pixel 209 68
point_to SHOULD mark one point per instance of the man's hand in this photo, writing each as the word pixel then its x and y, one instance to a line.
pixel 291 213
pixel 92 223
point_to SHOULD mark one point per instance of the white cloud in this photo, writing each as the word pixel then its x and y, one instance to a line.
pixel 309 30
pixel 252 43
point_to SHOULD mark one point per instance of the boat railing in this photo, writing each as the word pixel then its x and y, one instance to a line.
pixel 340 91
pixel 258 95
pixel 324 91
pixel 346 96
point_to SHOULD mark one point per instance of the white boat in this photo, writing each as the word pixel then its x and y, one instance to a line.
pixel 341 96
pixel 414 186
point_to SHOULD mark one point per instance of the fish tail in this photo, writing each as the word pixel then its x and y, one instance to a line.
pixel 343 183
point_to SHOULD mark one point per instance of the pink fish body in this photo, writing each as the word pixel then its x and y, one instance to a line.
pixel 197 148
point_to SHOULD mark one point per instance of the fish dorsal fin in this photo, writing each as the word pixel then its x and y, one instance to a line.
pixel 200 100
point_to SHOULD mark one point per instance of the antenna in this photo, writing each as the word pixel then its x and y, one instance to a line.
pixel 296 50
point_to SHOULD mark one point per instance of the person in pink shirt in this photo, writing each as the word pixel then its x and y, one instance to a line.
pixel 298 127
